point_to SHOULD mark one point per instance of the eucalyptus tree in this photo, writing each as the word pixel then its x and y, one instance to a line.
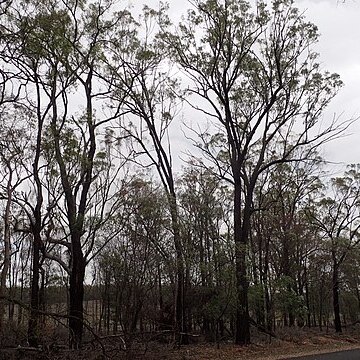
pixel 22 122
pixel 281 196
pixel 14 143
pixel 57 51
pixel 18 70
pixel 337 216
pixel 134 266
pixel 201 221
pixel 142 72
pixel 204 209
pixel 263 90
pixel 75 138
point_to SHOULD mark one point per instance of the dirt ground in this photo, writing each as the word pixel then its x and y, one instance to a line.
pixel 289 343
pixel 292 344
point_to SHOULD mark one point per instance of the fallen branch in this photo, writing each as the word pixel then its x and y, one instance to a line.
pixel 262 328
pixel 57 317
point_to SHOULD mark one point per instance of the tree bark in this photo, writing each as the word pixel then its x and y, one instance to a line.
pixel 6 261
pixel 336 304
pixel 33 324
pixel 180 318
pixel 76 290
pixel 242 331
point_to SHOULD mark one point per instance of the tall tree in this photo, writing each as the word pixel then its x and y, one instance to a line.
pixel 13 152
pixel 337 215
pixel 281 194
pixel 131 265
pixel 259 81
pixel 58 50
pixel 23 67
pixel 204 211
pixel 140 71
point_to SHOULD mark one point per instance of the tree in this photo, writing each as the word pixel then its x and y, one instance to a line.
pixel 264 91
pixel 20 68
pixel 132 263
pixel 76 139
pixel 204 211
pixel 13 149
pixel 151 100
pixel 282 194
pixel 337 215
pixel 58 52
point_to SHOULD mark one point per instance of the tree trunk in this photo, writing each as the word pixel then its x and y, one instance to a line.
pixel 321 292
pixel 242 333
pixel 268 306
pixel 289 318
pixel 76 294
pixel 336 305
pixel 6 261
pixel 180 318
pixel 36 227
pixel 180 306
pixel 33 324
pixel 307 297
pixel 180 321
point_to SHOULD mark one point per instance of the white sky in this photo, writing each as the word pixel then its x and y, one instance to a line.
pixel 339 47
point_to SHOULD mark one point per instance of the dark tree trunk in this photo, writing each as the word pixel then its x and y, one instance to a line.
pixel 268 307
pixel 242 331
pixel 202 258
pixel 260 303
pixel 6 260
pixel 336 304
pixel 307 297
pixel 36 228
pixel 180 294
pixel 180 318
pixel 289 318
pixel 180 300
pixel 33 324
pixel 161 301
pixel 76 294
pixel 321 292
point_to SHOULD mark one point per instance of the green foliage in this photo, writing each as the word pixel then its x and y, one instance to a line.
pixel 84 71
pixel 220 304
pixel 256 296
pixel 286 297
pixel 46 36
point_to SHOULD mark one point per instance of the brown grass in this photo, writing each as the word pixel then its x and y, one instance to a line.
pixel 290 343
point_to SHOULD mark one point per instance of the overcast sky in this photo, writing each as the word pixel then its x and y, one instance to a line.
pixel 339 47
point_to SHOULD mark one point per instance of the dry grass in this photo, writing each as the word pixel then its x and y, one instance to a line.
pixel 292 343
pixel 289 344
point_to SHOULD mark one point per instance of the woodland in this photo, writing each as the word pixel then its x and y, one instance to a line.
pixel 162 181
